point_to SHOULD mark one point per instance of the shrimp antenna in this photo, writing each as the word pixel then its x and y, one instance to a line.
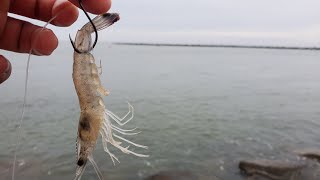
pixel 95 31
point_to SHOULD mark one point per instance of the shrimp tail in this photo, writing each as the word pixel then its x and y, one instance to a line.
pixel 101 22
pixel 98 23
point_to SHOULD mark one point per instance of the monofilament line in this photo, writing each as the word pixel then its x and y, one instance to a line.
pixel 21 117
pixel 17 145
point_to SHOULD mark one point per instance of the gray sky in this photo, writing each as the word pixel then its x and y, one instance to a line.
pixel 249 22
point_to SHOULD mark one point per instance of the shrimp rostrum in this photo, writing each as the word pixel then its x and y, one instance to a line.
pixel 95 119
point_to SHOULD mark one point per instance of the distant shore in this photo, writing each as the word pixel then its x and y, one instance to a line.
pixel 219 46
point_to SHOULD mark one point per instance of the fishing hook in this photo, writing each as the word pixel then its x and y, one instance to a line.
pixel 95 31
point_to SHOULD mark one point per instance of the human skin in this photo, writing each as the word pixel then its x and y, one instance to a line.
pixel 20 36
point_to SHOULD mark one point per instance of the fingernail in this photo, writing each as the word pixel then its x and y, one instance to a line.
pixel 5 69
pixel 66 13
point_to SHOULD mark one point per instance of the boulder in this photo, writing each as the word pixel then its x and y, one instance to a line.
pixel 305 169
pixel 271 169
pixel 311 153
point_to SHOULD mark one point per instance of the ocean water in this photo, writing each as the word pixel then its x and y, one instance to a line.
pixel 200 110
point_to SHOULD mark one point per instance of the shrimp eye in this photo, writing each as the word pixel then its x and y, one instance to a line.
pixel 80 162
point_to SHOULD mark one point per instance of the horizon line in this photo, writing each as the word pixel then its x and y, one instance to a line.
pixel 218 46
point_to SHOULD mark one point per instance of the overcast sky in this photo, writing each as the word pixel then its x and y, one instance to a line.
pixel 249 22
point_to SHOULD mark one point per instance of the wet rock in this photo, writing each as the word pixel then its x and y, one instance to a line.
pixel 173 175
pixel 272 169
pixel 311 153
pixel 280 170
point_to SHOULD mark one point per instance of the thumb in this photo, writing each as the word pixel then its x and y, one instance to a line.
pixel 5 69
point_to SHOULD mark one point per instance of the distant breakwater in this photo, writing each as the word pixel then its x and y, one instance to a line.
pixel 219 46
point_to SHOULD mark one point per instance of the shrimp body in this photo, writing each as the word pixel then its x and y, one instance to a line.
pixel 94 117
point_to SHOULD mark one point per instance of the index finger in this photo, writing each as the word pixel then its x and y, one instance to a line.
pixel 94 6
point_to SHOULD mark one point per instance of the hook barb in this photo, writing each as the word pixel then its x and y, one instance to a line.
pixel 74 46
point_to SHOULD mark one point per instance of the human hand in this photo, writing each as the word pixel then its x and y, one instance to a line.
pixel 19 36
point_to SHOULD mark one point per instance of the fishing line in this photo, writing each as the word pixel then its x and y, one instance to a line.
pixel 19 130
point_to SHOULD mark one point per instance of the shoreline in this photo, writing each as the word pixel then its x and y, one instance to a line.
pixel 220 46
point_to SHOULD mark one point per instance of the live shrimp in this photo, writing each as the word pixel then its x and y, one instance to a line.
pixel 95 119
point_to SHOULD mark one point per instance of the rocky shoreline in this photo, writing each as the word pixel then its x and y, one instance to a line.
pixel 306 167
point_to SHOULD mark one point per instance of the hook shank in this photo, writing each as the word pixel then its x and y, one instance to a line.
pixel 95 31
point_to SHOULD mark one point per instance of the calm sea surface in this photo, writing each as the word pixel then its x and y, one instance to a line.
pixel 199 109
